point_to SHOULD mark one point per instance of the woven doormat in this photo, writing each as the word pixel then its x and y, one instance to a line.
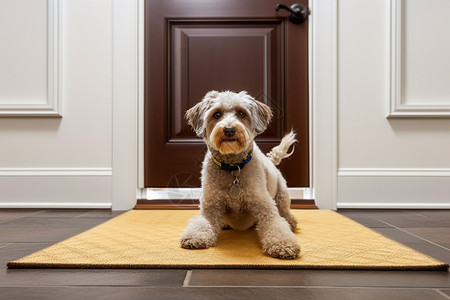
pixel 150 239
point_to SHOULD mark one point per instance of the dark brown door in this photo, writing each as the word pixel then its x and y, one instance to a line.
pixel 192 47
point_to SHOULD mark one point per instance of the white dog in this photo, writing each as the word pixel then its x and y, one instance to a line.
pixel 241 187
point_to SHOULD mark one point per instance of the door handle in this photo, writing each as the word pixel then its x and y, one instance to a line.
pixel 298 13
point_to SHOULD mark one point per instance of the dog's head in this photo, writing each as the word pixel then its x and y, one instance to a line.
pixel 229 121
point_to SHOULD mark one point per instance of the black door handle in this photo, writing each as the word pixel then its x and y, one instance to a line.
pixel 298 13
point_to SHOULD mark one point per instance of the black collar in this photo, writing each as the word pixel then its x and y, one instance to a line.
pixel 233 167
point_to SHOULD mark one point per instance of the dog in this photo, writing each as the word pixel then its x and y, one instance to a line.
pixel 241 187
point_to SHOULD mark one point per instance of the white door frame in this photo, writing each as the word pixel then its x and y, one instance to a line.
pixel 128 54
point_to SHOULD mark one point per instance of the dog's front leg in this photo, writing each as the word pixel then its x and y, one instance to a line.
pixel 202 230
pixel 274 232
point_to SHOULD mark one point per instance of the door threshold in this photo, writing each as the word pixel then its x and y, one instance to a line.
pixel 187 198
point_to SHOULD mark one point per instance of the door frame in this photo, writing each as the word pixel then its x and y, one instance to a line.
pixel 128 102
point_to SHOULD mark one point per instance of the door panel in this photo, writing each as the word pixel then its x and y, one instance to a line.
pixel 200 62
pixel 193 47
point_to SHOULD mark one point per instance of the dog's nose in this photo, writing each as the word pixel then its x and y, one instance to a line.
pixel 229 131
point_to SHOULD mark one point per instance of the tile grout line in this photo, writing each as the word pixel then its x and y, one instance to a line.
pixel 238 286
pixel 314 287
pixel 88 212
pixel 17 218
pixel 187 279
pixel 442 293
pixel 233 286
pixel 6 245
pixel 405 231
pixel 88 286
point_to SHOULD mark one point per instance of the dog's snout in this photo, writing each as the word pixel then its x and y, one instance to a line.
pixel 229 131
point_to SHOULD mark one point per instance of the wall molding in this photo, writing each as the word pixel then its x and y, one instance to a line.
pixel 86 205
pixel 323 67
pixel 410 205
pixel 127 32
pixel 53 104
pixel 394 172
pixel 55 172
pixel 398 109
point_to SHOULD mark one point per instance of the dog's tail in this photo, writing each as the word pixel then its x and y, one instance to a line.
pixel 278 153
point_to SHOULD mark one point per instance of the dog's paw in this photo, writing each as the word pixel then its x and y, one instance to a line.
pixel 198 240
pixel 195 243
pixel 199 234
pixel 284 250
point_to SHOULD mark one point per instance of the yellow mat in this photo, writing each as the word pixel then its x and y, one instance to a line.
pixel 150 239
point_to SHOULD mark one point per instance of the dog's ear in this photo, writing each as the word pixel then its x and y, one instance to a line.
pixel 195 115
pixel 263 115
pixel 210 95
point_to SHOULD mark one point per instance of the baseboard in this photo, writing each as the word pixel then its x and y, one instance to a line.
pixel 394 188
pixel 394 172
pixel 62 205
pixel 55 187
pixel 356 205
pixel 55 172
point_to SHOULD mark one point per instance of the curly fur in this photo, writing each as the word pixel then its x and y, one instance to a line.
pixel 280 152
pixel 264 200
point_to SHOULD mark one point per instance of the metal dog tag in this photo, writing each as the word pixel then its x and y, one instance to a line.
pixel 235 189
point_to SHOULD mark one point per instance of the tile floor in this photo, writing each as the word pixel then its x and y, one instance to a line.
pixel 25 231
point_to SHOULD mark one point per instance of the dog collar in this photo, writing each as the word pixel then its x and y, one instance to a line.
pixel 233 167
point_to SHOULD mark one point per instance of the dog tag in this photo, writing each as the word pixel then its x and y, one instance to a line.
pixel 235 190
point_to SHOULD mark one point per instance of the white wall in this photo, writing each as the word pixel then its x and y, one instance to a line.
pixel 363 71
pixel 56 161
pixel 386 67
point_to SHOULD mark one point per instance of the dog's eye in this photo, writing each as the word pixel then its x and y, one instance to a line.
pixel 241 114
pixel 217 115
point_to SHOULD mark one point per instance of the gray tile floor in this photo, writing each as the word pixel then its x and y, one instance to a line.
pixel 25 231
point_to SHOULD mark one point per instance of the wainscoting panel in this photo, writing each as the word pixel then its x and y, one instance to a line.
pixel 30 70
pixel 419 60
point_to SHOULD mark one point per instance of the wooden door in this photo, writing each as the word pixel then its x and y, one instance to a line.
pixel 192 47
